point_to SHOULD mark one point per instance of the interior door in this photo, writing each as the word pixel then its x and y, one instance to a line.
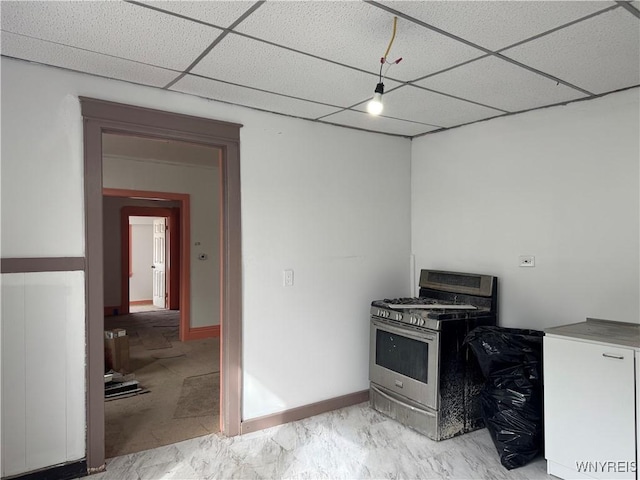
pixel 159 262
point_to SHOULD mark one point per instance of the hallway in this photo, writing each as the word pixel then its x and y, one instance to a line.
pixel 182 379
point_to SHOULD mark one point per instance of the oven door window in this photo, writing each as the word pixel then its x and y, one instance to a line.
pixel 403 355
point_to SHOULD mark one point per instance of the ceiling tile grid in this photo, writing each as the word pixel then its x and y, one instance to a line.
pixel 313 59
pixel 380 124
pixel 601 54
pixel 112 28
pixel 494 82
pixel 219 13
pixel 419 105
pixel 216 90
pixel 356 34
pixel 255 64
pixel 497 24
pixel 79 60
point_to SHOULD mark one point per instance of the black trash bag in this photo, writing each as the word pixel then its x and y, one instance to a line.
pixel 511 400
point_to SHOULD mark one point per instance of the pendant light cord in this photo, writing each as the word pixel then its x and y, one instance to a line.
pixel 383 60
pixel 393 36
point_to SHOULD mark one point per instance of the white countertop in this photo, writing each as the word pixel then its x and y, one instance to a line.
pixel 597 330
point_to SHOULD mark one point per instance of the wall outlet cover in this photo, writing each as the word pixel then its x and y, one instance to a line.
pixel 288 278
pixel 527 261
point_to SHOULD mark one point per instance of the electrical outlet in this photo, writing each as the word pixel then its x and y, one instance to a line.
pixel 527 261
pixel 288 278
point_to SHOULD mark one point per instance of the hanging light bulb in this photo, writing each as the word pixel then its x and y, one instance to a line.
pixel 375 106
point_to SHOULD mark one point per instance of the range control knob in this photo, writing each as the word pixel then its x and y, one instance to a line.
pixel 421 321
pixel 413 320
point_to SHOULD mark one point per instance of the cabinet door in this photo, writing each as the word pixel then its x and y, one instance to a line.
pixel 589 403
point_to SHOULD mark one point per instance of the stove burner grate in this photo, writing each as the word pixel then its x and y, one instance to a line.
pixel 411 301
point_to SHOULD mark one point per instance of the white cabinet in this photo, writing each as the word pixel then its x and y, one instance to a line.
pixel 590 408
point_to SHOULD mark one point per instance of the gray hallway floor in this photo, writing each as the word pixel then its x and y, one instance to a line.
pixel 183 380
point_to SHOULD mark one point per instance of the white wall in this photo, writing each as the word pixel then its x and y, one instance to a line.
pixel 141 280
pixel 559 183
pixel 331 203
pixel 202 184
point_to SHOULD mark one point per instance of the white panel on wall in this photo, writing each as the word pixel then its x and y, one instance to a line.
pixel 13 375
pixel 561 184
pixel 45 364
pixel 42 359
pixel 75 365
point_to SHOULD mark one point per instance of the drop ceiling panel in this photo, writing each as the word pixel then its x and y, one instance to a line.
pixel 377 124
pixel 343 41
pixel 256 64
pixel 113 28
pixel 497 24
pixel 83 61
pixel 600 54
pixel 356 34
pixel 501 84
pixel 219 13
pixel 417 105
pixel 250 98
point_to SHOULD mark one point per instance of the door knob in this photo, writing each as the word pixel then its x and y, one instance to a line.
pixel 153 266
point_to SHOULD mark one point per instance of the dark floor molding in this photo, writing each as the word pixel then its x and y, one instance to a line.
pixel 59 472
pixel 43 264
pixel 305 411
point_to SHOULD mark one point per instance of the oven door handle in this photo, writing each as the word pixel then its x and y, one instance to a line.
pixel 406 405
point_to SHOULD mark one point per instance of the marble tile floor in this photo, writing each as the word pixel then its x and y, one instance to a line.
pixel 351 443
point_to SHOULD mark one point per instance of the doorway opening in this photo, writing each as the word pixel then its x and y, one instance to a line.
pixel 175 207
pixel 107 117
pixel 149 263
pixel 175 384
pixel 150 245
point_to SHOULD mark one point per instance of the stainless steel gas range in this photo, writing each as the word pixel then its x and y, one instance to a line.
pixel 420 371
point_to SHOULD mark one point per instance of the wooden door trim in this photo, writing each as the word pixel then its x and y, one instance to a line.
pixel 100 117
